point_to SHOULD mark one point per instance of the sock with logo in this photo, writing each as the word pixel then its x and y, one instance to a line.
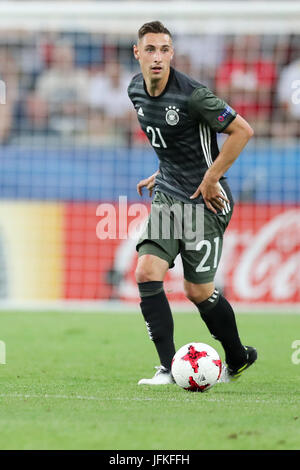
pixel 219 317
pixel 159 320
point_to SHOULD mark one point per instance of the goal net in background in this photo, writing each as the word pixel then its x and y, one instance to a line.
pixel 70 143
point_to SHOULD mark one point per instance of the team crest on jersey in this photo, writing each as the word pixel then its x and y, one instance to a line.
pixel 172 116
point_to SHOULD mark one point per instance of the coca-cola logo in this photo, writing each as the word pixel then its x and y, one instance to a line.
pixel 270 262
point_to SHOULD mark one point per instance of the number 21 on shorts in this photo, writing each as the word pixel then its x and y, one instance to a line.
pixel 206 244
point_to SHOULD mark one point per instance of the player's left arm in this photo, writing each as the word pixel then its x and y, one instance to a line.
pixel 239 132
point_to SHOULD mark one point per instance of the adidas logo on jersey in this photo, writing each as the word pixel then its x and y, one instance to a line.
pixel 140 111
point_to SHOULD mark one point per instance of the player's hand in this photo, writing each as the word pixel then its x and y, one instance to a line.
pixel 212 195
pixel 146 183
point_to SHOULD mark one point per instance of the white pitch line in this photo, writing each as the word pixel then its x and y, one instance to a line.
pixel 64 397
pixel 180 399
pixel 93 398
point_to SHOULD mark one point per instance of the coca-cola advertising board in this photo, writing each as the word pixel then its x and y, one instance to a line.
pixel 260 261
pixel 261 256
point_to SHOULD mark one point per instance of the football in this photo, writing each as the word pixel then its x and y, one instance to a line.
pixel 196 367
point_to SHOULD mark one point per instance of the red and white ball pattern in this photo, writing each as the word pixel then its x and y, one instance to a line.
pixel 196 367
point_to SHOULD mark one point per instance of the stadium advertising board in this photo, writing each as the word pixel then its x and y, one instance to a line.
pixel 260 261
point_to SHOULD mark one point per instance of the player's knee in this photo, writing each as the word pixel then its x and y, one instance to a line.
pixel 144 270
pixel 197 293
pixel 148 269
pixel 142 274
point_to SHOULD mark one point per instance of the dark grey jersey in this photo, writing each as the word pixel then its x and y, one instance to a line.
pixel 181 125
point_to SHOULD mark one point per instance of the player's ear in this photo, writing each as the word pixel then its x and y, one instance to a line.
pixel 136 52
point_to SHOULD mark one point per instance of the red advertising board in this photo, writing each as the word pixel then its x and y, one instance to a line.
pixel 260 261
pixel 261 257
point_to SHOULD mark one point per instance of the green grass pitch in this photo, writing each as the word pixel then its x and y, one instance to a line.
pixel 70 382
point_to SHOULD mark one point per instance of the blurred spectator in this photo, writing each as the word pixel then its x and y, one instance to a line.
pixel 183 63
pixel 108 100
pixel 205 53
pixel 246 80
pixel 289 82
pixel 108 90
pixel 288 96
pixel 64 88
pixel 33 116
pixel 9 75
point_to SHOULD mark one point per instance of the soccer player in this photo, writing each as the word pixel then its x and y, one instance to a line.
pixel 181 118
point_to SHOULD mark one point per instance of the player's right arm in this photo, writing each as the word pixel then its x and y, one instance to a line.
pixel 147 183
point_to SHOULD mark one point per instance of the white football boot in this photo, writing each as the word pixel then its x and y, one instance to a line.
pixel 224 376
pixel 162 377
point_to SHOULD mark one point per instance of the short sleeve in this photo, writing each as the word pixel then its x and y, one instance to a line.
pixel 205 106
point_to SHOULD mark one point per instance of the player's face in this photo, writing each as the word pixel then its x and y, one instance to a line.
pixel 154 53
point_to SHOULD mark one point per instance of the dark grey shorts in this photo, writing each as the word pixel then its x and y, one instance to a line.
pixel 194 232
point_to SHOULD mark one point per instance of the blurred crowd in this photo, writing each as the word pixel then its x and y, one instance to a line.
pixel 73 86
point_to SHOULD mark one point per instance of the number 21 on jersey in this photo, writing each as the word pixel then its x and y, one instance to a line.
pixel 156 137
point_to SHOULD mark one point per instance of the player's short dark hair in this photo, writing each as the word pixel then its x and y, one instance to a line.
pixel 153 27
